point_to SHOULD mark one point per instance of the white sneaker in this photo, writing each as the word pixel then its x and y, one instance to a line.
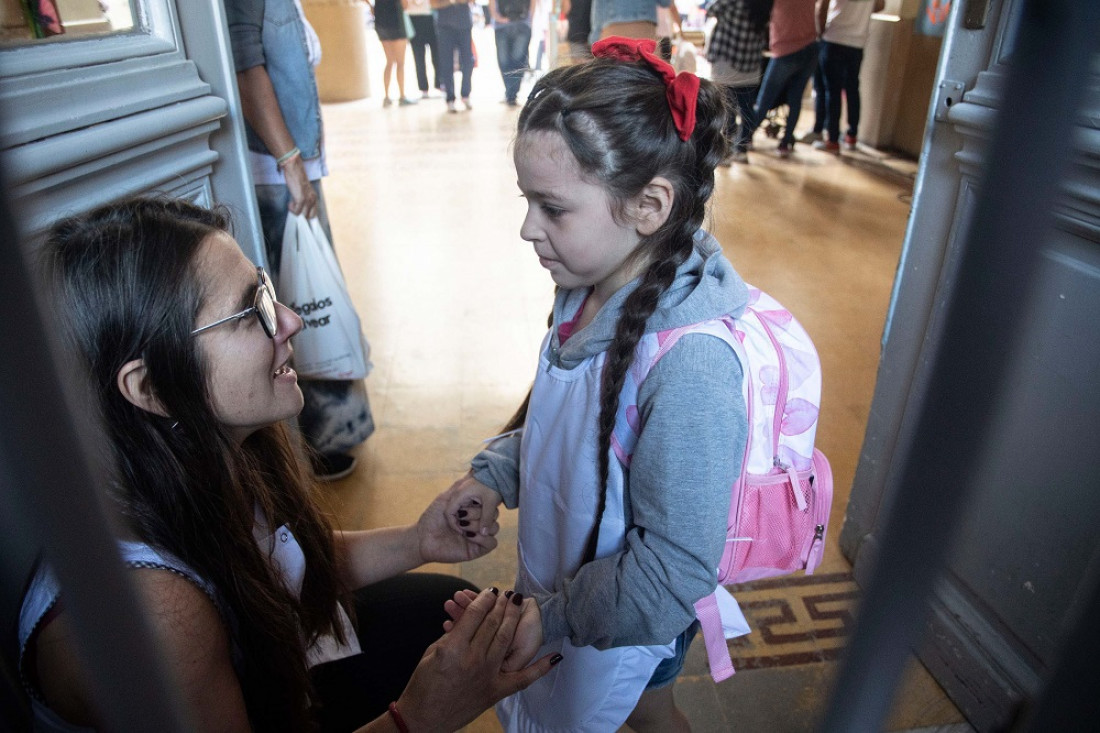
pixel 451 106
pixel 466 103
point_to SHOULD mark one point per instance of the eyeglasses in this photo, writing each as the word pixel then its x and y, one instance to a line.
pixel 263 306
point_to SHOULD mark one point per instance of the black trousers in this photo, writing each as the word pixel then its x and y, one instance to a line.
pixel 397 620
pixel 425 41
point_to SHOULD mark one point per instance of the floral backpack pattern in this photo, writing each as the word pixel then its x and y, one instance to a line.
pixel 779 506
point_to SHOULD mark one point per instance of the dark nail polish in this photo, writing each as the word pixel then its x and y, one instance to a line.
pixel 463 523
pixel 508 593
pixel 471 534
pixel 495 591
pixel 518 599
pixel 556 658
pixel 461 513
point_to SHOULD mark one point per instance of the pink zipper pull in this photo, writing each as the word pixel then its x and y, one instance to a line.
pixel 799 499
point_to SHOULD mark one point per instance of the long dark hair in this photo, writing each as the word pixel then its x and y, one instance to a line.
pixel 124 280
pixel 615 118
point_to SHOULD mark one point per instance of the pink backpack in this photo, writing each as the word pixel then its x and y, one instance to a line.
pixel 779 507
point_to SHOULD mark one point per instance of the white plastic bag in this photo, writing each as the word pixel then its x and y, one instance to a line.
pixel 331 343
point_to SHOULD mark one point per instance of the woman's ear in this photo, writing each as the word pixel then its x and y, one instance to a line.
pixel 133 383
pixel 654 204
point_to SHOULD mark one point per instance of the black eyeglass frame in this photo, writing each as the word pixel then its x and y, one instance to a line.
pixel 263 306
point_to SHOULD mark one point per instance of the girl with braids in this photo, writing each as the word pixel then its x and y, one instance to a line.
pixel 616 159
pixel 186 355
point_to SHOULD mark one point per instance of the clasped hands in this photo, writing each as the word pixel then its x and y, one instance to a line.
pixel 472 511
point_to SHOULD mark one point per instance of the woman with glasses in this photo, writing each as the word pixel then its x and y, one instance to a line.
pixel 186 353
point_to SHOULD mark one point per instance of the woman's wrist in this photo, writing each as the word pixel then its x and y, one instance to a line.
pixel 397 718
pixel 409 716
pixel 414 547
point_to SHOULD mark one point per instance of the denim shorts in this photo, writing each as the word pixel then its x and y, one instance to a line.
pixel 669 669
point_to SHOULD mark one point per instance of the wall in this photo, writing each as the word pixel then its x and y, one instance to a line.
pixel 899 66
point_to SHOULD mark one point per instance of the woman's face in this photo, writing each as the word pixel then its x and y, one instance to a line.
pixel 250 380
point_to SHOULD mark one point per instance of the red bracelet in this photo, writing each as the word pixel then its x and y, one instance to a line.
pixel 397 719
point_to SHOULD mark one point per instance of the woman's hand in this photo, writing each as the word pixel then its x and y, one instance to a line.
pixel 441 539
pixel 528 636
pixel 463 673
pixel 472 507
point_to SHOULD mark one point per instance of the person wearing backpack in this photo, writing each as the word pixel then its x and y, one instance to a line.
pixel 615 158
pixel 512 30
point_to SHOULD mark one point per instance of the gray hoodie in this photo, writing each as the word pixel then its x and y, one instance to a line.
pixel 686 460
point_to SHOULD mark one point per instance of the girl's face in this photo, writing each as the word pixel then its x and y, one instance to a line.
pixel 251 384
pixel 569 219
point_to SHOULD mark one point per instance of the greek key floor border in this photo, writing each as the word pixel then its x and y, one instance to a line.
pixel 794 620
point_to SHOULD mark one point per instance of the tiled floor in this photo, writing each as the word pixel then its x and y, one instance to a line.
pixel 426 217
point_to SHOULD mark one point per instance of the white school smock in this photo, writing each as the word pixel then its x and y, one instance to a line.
pixel 591 689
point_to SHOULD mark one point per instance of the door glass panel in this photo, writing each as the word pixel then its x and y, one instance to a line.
pixel 24 22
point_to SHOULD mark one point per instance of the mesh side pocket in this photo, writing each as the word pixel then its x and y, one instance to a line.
pixel 771 533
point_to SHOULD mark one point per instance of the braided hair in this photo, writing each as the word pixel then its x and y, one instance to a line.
pixel 614 116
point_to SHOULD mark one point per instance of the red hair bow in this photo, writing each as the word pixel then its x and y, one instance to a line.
pixel 682 89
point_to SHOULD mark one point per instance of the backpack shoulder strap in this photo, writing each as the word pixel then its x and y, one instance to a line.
pixel 651 348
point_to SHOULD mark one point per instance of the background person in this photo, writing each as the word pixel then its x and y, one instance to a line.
pixel 454 29
pixel 389 24
pixel 793 43
pixel 424 44
pixel 512 32
pixel 736 54
pixel 847 26
pixel 274 52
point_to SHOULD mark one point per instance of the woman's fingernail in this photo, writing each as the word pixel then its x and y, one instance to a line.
pixel 518 599
pixel 555 659
pixel 463 523
pixel 495 590
pixel 461 512
pixel 508 593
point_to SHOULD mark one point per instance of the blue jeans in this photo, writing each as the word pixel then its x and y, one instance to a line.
pixel 841 70
pixel 821 112
pixel 451 41
pixel 424 43
pixel 784 82
pixel 513 41
pixel 669 669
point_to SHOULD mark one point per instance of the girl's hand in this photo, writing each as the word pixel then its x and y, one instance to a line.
pixel 463 674
pixel 472 507
pixel 528 636
pixel 439 542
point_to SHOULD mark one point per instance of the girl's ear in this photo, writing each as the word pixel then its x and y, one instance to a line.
pixel 654 204
pixel 133 383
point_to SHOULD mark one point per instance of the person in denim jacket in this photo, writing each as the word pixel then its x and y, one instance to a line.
pixel 274 52
pixel 626 18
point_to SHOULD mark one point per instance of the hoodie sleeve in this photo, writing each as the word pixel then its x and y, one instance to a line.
pixel 498 468
pixel 686 461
